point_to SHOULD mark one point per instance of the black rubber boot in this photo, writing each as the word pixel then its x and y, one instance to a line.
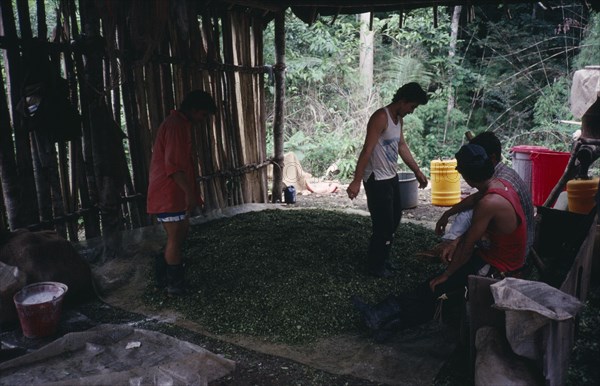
pixel 176 280
pixel 160 270
pixel 378 260
pixel 379 315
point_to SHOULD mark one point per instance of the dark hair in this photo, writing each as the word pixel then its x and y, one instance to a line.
pixel 198 100
pixel 489 142
pixel 411 92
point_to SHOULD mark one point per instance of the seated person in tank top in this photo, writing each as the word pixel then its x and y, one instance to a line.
pixel 462 212
pixel 497 216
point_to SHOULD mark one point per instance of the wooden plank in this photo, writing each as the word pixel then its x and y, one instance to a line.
pixel 479 310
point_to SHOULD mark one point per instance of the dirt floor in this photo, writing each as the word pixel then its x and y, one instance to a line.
pixel 424 211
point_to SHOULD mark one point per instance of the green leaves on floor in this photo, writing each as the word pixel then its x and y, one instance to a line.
pixel 287 276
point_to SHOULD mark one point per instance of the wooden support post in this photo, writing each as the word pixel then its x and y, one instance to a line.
pixel 279 106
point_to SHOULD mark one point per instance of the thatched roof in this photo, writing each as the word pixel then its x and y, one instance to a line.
pixel 309 10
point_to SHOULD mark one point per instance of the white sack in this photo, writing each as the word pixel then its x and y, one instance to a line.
pixel 585 90
pixel 529 306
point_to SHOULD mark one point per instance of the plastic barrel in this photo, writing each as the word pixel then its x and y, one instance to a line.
pixel 521 161
pixel 445 183
pixel 547 168
pixel 581 195
pixel 39 307
pixel 409 190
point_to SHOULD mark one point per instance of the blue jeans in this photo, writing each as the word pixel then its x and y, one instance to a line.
pixel 383 201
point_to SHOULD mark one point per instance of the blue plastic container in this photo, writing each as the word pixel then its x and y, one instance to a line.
pixel 289 194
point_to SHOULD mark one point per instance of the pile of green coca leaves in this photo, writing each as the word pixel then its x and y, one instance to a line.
pixel 287 275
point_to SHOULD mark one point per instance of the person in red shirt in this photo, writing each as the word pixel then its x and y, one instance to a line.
pixel 498 219
pixel 172 191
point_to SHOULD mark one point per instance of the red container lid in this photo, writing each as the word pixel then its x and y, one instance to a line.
pixel 527 149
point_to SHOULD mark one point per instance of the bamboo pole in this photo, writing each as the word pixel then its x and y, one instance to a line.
pixel 42 185
pixel 139 145
pixel 46 149
pixel 43 152
pixel 3 223
pixel 244 116
pixel 80 194
pixel 27 212
pixel 279 106
pixel 63 186
pixel 212 138
pixel 90 208
pixel 198 53
pixel 231 103
pixel 261 110
pixel 63 174
pixel 8 166
pixel 38 69
pixel 166 84
pixel 153 93
pixel 257 189
pixel 131 212
pixel 24 19
pixel 106 148
pixel 41 20
pixel 200 33
pixel 245 121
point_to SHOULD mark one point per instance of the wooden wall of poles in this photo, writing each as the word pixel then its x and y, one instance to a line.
pixel 126 65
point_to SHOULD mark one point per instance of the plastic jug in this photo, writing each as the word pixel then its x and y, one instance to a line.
pixel 445 183
pixel 581 195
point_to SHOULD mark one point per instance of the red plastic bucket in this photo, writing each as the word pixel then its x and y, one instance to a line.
pixel 547 168
pixel 39 307
pixel 521 161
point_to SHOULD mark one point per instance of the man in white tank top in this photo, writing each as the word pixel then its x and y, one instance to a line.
pixel 377 170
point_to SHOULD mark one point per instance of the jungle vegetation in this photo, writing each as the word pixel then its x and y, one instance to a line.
pixel 510 73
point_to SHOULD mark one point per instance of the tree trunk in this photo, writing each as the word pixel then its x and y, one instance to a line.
pixel 279 106
pixel 366 53
pixel 451 54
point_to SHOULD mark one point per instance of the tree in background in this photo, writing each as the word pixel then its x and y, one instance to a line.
pixel 510 73
pixel 523 54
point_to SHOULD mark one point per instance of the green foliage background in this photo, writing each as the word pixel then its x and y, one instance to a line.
pixel 511 74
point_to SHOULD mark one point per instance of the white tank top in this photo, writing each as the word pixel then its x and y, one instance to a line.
pixel 384 158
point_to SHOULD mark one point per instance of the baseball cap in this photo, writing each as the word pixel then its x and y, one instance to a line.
pixel 470 155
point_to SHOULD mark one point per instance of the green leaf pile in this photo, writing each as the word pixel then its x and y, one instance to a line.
pixel 287 276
